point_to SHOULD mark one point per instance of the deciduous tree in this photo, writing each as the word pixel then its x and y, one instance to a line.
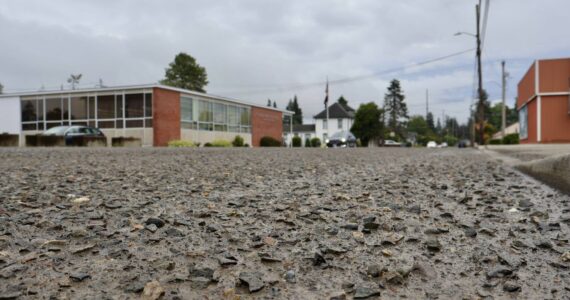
pixel 368 125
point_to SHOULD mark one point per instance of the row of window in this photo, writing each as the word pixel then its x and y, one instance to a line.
pixel 103 111
pixel 202 114
pixel 523 120
pixel 339 125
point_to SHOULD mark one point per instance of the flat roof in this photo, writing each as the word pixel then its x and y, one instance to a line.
pixel 141 86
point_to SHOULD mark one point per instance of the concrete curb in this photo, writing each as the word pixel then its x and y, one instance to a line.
pixel 554 171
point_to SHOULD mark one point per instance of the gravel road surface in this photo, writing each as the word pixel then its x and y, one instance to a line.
pixel 277 224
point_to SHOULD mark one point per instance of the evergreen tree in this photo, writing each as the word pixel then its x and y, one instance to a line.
pixel 342 101
pixel 293 106
pixel 298 116
pixel 268 102
pixel 395 107
pixel 274 104
pixel 438 127
pixel 430 123
pixel 1 88
pixel 184 72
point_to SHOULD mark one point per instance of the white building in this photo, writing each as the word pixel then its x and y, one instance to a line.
pixel 340 119
pixel 304 131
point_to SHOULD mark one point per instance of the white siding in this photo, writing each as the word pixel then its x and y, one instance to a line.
pixel 10 115
pixel 332 128
pixel 203 136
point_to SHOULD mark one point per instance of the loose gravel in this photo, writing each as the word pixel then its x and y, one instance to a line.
pixel 277 224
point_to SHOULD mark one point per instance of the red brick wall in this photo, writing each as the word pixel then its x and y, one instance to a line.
pixel 166 116
pixel 554 75
pixel 555 119
pixel 265 122
pixel 526 87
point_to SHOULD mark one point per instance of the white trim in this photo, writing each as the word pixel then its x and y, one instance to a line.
pixel 539 119
pixel 544 94
pixel 554 94
pixel 538 103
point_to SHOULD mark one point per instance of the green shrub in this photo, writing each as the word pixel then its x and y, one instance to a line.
pixel 246 145
pixel 238 141
pixel 181 144
pixel 296 141
pixel 495 142
pixel 315 142
pixel 268 141
pixel 221 143
pixel 511 139
pixel 450 140
pixel 208 145
pixel 307 142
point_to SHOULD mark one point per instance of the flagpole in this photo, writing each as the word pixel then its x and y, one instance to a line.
pixel 327 105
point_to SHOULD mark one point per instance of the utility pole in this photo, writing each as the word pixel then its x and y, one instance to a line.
pixel 480 106
pixel 427 102
pixel 504 109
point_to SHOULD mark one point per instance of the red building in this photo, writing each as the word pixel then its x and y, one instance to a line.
pixel 543 102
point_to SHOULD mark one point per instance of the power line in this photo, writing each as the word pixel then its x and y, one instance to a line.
pixel 348 79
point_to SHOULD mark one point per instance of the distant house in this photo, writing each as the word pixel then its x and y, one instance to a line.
pixel 340 119
pixel 304 131
pixel 513 128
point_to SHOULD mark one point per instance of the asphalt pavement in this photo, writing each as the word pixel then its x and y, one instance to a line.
pixel 277 224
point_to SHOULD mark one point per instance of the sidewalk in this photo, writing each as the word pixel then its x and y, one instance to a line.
pixel 548 163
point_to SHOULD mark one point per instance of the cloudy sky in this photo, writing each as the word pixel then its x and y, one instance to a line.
pixel 259 49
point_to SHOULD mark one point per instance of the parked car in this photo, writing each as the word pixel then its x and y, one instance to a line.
pixel 443 145
pixel 392 143
pixel 431 144
pixel 72 132
pixel 341 139
pixel 463 144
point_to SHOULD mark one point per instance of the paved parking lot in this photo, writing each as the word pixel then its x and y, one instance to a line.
pixel 277 223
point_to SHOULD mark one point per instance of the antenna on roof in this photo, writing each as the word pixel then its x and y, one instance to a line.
pixel 101 85
pixel 74 79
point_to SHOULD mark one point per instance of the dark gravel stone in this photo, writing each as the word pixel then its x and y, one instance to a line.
pixel 525 203
pixel 12 270
pixel 511 287
pixel 433 245
pixel 499 272
pixel 79 276
pixel 350 226
pixel 253 280
pixel 470 232
pixel 290 276
pixel 201 271
pixel 365 292
pixel 156 221
pixel 374 270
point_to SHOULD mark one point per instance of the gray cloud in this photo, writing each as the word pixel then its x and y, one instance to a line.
pixel 252 44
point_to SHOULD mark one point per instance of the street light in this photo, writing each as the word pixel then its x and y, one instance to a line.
pixel 477 37
pixel 463 32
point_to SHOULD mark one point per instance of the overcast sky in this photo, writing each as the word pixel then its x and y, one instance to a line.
pixel 259 49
